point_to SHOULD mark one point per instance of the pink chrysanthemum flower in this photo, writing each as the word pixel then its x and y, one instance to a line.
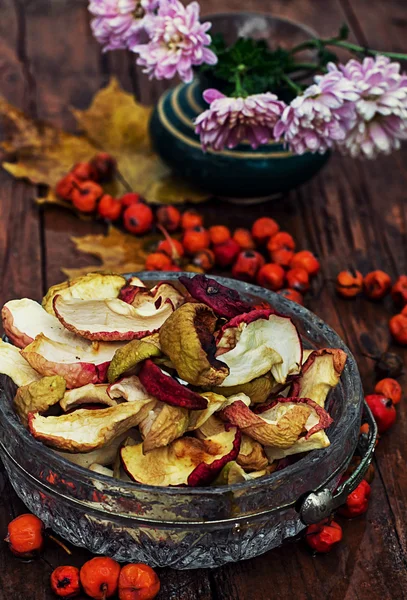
pixel 121 23
pixel 229 121
pixel 178 41
pixel 381 108
pixel 319 117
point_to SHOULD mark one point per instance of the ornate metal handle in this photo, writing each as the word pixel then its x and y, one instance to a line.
pixel 320 504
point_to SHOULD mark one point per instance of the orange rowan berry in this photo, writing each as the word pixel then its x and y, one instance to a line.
pixel 390 388
pixel 109 208
pixel 105 166
pixel 84 171
pixel 168 217
pixel 349 283
pixel 204 259
pixel 321 537
pixel 195 239
pixel 25 536
pixel 85 196
pixel 247 264
pixel 174 268
pixel 271 276
pixel 292 295
pixel 263 229
pixel 65 187
pixel 99 577
pixel 298 279
pixel 129 199
pixel 306 260
pixel 65 581
pixel 158 261
pixel 244 238
pixel 376 284
pixel 173 248
pixel 138 218
pixel 226 253
pixel 219 234
pixel 191 218
pixel 281 248
pixel 138 582
pixel 399 290
pixel 398 329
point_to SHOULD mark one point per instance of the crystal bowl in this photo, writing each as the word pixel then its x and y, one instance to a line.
pixel 185 528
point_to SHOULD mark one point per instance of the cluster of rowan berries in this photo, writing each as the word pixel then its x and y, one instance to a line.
pixel 82 187
pixel 287 272
pixel 100 577
pixel 376 285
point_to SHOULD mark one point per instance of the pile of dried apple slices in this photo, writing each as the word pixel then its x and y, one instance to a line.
pixel 184 384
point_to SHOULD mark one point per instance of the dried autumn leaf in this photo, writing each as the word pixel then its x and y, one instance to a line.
pixel 117 251
pixel 119 125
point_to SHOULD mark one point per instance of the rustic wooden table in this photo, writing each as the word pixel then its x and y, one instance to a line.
pixel 353 213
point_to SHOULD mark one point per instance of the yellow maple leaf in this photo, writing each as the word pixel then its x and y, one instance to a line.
pixel 114 123
pixel 118 252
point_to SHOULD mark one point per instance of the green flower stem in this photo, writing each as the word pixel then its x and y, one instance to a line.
pixel 348 45
pixel 239 92
pixel 293 86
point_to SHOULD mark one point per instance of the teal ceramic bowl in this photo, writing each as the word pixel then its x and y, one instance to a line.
pixel 241 174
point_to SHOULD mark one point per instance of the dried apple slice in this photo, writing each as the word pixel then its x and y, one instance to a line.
pixel 233 473
pixel 279 426
pixel 159 294
pixel 216 402
pixel 224 301
pixel 258 389
pixel 186 461
pixel 252 456
pixel 24 319
pixel 105 455
pixel 111 320
pixel 77 366
pixel 126 359
pixel 87 394
pixel 315 442
pixel 257 342
pixel 129 388
pixel 93 286
pixel 96 468
pixel 162 386
pixel 85 430
pixel 15 366
pixel 318 419
pixel 187 339
pixel 38 396
pixel 163 425
pixel 320 373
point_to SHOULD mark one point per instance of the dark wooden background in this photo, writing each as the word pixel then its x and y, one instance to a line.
pixel 354 213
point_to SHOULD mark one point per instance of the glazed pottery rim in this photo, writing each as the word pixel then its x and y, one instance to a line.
pixel 268 16
pixel 45 453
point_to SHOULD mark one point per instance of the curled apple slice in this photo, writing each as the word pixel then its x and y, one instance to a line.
pixel 258 390
pixel 163 425
pixel 279 426
pixel 24 319
pixel 128 388
pixel 126 359
pixel 38 396
pixel 187 339
pixel 162 386
pixel 85 430
pixel 233 473
pixel 87 394
pixel 318 418
pixel 15 366
pixel 106 455
pixel 320 373
pixel 101 470
pixel 111 320
pixel 224 301
pixel 257 342
pixel 315 442
pixel 78 366
pixel 186 461
pixel 92 286
pixel 216 402
pixel 160 294
pixel 251 456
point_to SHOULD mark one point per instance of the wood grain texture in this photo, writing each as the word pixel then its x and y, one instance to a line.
pixel 352 214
